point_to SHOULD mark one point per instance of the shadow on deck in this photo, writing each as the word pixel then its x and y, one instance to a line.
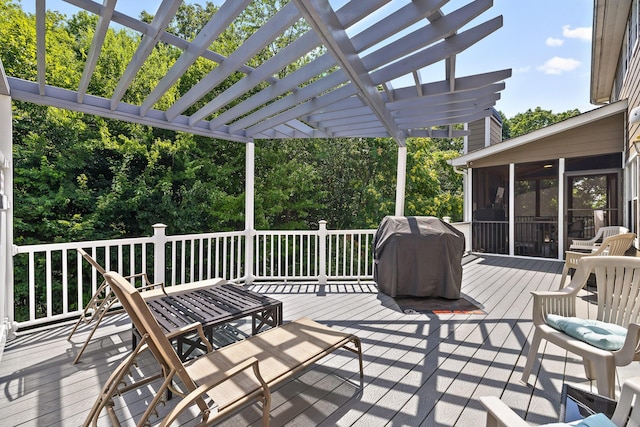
pixel 420 368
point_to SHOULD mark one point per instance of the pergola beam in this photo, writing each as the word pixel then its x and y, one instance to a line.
pixel 442 50
pixel 265 35
pixel 41 43
pixel 288 84
pixel 295 50
pixel 326 24
pixel 212 29
pixel 23 90
pixel 369 45
pixel 396 22
pixel 164 15
pixel 96 45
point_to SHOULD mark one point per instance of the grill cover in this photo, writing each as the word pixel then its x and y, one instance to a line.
pixel 418 256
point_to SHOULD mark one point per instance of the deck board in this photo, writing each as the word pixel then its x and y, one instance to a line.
pixel 420 369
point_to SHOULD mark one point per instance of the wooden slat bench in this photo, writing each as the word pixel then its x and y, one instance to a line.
pixel 222 381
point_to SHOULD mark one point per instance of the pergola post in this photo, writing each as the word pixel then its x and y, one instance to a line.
pixel 401 180
pixel 6 221
pixel 249 209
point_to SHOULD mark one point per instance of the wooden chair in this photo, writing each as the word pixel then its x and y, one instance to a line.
pixel 618 295
pixel 601 234
pixel 615 245
pixel 626 413
pixel 104 299
pixel 226 379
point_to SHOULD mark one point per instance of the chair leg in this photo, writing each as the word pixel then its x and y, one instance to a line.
pixel 93 331
pixel 589 369
pixel 605 374
pixel 531 356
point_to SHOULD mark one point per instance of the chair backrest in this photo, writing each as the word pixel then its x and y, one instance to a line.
pixel 145 323
pixel 91 261
pixel 616 245
pixel 612 230
pixel 618 286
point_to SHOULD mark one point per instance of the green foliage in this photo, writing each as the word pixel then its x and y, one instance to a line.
pixel 530 120
pixel 80 177
pixel 433 187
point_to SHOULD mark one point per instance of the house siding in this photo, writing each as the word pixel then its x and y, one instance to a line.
pixel 478 131
pixel 495 131
pixel 603 136
pixel 476 136
pixel 631 90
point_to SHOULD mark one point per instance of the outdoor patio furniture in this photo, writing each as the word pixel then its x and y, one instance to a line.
pixel 101 302
pixel 220 381
pixel 601 234
pixel 213 307
pixel 626 412
pixel 618 291
pixel 104 299
pixel 615 245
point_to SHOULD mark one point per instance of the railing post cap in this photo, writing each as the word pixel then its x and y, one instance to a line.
pixel 159 225
pixel 322 221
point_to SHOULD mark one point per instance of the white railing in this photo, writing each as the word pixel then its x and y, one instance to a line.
pixel 52 282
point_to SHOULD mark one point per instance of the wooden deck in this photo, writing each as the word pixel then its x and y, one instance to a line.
pixel 420 369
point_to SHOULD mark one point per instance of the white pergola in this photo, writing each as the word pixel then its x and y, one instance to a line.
pixel 348 91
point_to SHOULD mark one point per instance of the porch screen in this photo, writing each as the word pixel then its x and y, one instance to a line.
pixel 418 256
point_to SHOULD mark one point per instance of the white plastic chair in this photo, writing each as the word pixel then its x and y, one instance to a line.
pixel 618 295
pixel 626 413
pixel 615 245
pixel 601 234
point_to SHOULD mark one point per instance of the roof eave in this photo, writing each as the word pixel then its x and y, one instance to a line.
pixel 574 122
pixel 609 23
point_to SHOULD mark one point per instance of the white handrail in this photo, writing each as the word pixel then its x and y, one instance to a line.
pixel 59 283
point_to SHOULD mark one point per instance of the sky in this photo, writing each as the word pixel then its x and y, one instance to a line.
pixel 546 43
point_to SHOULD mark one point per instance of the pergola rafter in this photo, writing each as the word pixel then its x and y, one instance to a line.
pixel 368 48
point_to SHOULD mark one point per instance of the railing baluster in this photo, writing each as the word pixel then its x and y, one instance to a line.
pixel 49 284
pixel 65 283
pixel 79 303
pixel 280 255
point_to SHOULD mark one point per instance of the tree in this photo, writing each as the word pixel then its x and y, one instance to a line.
pixel 433 187
pixel 531 120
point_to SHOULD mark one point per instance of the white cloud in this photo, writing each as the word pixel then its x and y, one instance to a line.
pixel 524 69
pixel 582 33
pixel 558 65
pixel 554 42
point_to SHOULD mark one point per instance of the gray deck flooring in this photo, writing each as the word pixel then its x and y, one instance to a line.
pixel 420 369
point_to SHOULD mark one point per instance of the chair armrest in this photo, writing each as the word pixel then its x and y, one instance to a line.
pixel 572 258
pixel 147 283
pixel 500 415
pixel 630 349
pixel 197 327
pixel 630 392
pixel 562 303
pixel 213 381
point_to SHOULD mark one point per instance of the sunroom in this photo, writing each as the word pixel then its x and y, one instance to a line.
pixel 533 194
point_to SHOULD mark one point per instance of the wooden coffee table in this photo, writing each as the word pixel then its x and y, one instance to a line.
pixel 212 307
